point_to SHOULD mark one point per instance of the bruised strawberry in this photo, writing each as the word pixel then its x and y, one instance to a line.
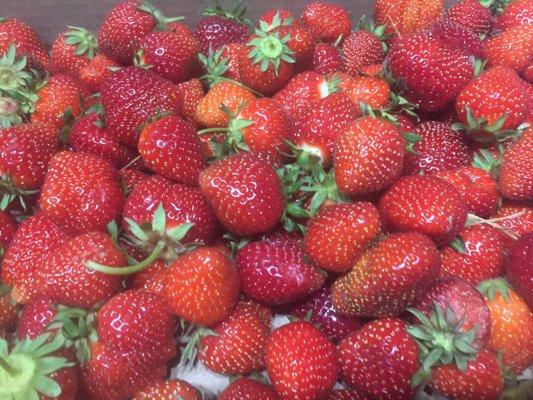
pixel 169 390
pixel 248 389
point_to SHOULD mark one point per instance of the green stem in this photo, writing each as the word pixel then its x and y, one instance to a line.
pixel 5 365
pixel 156 252
pixel 212 130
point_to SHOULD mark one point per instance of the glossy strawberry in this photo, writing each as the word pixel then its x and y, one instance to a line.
pixel 370 90
pixel 359 49
pixel 516 13
pixel 510 48
pixel 347 394
pixel 516 172
pixel 403 17
pixel 326 59
pixel 169 390
pixel 72 50
pixel 192 93
pixel 215 30
pixel 518 269
pixel 35 317
pixel 327 21
pixel 248 389
pixel 96 71
pixel 470 14
pixel 515 217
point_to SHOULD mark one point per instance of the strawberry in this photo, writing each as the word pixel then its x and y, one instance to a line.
pixel 407 16
pixel 492 103
pixel 470 14
pixel 239 344
pixel 327 21
pixel 244 193
pixel 96 71
pixel 172 138
pixel 424 204
pixel 232 53
pixel 301 361
pixel 380 359
pixel 276 272
pixel 516 13
pixel 131 97
pixel 388 277
pixel 192 93
pixel 202 286
pixel 81 192
pixel 477 188
pixel 515 217
pixel 511 48
pixel 170 54
pixel 372 91
pixel 518 269
pixel 323 314
pixel 460 36
pixel 360 49
pixel 481 379
pixel 347 394
pixel 8 227
pixel 248 389
pixel 36 316
pixel 72 50
pixel 169 390
pixel 368 156
pixel 511 333
pixel 440 149
pixel 326 59
pixel 338 234
pixel 228 94
pixel 516 171
pixel 151 278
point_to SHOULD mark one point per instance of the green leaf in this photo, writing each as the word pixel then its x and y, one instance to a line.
pixel 432 358
pixel 178 233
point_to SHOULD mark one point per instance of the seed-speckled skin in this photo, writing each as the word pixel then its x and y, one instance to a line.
pixel 326 59
pixel 327 21
pixel 482 379
pixel 35 317
pixel 516 173
pixel 464 300
pixel 202 286
pixel 192 93
pixel 483 257
pixel 8 227
pixel 470 14
pixel 213 32
pixel 81 192
pixel 519 219
pixel 347 394
pixel 359 49
pixel 511 47
pixel 380 359
pixel 248 389
pixel 301 362
pixel 63 57
pixel 424 204
pixel 520 269
pixel 368 156
pixel 388 277
pixel 337 235
pixel 276 272
pixel 517 12
pixel 407 16
pixel 244 193
pixel 97 71
pixel 169 390
pixel 371 90
pixel 240 342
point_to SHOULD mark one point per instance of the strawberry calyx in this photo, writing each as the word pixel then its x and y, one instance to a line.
pixel 161 21
pixel 380 31
pixel 237 13
pixel 25 370
pixel 139 60
pixel 85 41
pixel 484 160
pixel 10 192
pixel 490 287
pixel 12 71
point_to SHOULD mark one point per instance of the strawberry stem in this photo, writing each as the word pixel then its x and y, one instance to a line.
pixel 207 131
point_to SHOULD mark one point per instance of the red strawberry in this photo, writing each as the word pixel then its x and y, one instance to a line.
pixel 368 156
pixel 338 234
pixel 380 359
pixel 361 48
pixel 516 13
pixel 244 192
pixel 232 53
pixel 192 93
pixel 172 138
pixel 470 14
pixel 169 390
pixel 459 36
pixel 347 394
pixel 35 317
pixel 424 204
pixel 515 217
pixel 510 48
pixel 388 277
pixel 269 15
pixel 326 59
pixel 239 344
pixel 519 268
pixel 320 311
pixel 202 286
pixel 151 278
pixel 516 173
pixel 131 97
pixel 8 227
pixel 440 149
pixel 9 311
pixel 72 50
pixel 372 91
pixel 301 361
pixel 407 16
pixel 248 389
pixel 96 71
pixel 276 272
pixel 327 21
pixel 130 178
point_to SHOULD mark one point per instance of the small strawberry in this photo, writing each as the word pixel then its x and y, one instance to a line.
pixel 248 389
pixel 424 204
pixel 301 361
pixel 470 14
pixel 380 359
pixel 519 270
pixel 327 21
pixel 326 59
pixel 202 286
pixel 72 50
pixel 388 277
pixel 360 49
pixel 510 48
pixel 516 13
pixel 192 93
pixel 169 390
pixel 96 71
pixel 407 16
pixel 516 172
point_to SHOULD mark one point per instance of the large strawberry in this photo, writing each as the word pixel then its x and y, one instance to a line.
pixel 511 48
pixel 249 389
pixel 26 40
pixel 406 16
pixel 516 13
pixel 516 218
pixel 470 14
pixel 519 267
pixel 388 277
pixel 301 361
pixel 169 390
pixel 327 21
pixel 72 50
pixel 516 173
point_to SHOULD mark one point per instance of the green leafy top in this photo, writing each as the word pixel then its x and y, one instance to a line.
pixel 237 13
pixel 161 21
pixel 84 41
pixel 215 66
pixel 490 287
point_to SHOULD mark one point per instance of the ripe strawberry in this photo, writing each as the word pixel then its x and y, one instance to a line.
pixel 370 90
pixel 36 316
pixel 244 193
pixel 170 54
pixel 338 234
pixel 380 359
pixel 131 97
pixel 388 277
pixel 477 188
pixel 347 394
pixel 440 149
pixel 171 148
pixel 72 50
pixel 248 389
pixel 460 36
pixel 470 14
pixel 269 15
pixel 510 48
pixel 95 72
pixel 517 218
pixel 81 192
pixel 424 204
pixel 232 53
pixel 323 314
pixel 327 21
pixel 326 59
pixel 516 13
pixel 227 94
pixel 169 390
pixel 516 172
pixel 482 379
pixel 9 312
pixel 492 103
pixel 239 344
pixel 202 286
pixel 360 49
pixel 192 93
pixel 435 71
pixel 24 154
pixel 276 272
pixel 8 227
pixel 518 269
pixel 368 156
pixel 407 16
pixel 511 333
pixel 301 361
pixel 151 278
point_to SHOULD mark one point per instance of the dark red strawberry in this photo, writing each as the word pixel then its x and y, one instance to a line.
pixel 276 272
pixel 326 59
pixel 8 227
pixel 516 172
pixel 169 390
pixel 72 50
pixel 380 359
pixel 301 361
pixel 248 389
pixel 457 35
pixel 360 49
pixel 519 268
pixel 471 14
pixel 327 21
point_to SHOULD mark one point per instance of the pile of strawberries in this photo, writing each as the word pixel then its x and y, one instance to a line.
pixel 318 209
